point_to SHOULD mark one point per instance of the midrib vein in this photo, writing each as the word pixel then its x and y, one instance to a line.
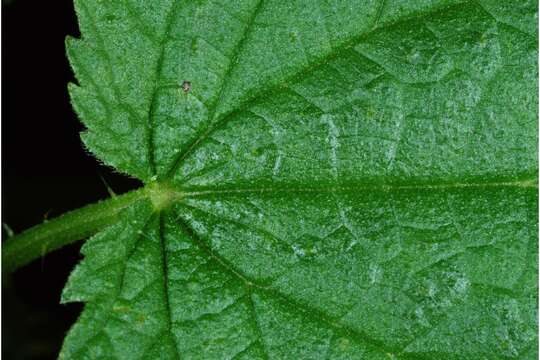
pixel 528 183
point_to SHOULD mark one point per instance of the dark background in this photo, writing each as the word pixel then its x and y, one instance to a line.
pixel 45 170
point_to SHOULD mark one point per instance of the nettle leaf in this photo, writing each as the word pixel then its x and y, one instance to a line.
pixel 330 179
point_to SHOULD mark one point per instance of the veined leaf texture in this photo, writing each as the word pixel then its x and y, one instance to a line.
pixel 338 179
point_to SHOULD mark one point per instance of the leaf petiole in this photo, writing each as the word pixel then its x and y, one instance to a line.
pixel 72 226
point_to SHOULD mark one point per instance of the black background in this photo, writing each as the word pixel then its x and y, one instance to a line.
pixel 45 170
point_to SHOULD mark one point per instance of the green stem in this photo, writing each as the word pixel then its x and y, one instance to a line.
pixel 65 229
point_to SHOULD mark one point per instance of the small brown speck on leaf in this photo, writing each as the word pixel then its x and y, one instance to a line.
pixel 186 86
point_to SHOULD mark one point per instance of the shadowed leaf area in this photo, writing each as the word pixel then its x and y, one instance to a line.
pixel 330 179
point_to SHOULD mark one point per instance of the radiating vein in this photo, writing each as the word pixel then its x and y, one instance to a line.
pixel 166 294
pixel 308 311
pixel 216 124
pixel 232 63
pixel 150 129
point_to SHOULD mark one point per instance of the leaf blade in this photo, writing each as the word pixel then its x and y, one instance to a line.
pixel 339 189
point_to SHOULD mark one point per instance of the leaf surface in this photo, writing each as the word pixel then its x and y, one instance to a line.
pixel 334 179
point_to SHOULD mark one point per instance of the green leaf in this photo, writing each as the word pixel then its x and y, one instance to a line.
pixel 327 179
